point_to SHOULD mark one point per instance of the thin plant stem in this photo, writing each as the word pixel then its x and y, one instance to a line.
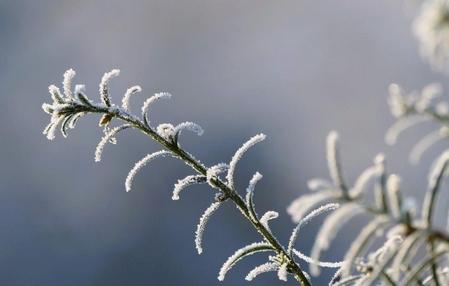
pixel 228 193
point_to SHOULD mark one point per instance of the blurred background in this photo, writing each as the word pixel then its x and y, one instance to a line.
pixel 292 69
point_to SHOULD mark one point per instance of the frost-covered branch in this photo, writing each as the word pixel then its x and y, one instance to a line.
pixel 394 220
pixel 66 108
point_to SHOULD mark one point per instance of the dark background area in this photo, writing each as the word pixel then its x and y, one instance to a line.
pixel 292 69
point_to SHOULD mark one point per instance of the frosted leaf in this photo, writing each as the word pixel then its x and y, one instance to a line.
pixel 55 93
pixel 202 225
pixel 319 184
pixel 435 176
pixel 333 160
pixel 361 182
pixel 191 126
pixel 269 215
pixel 324 264
pixel 379 261
pixel 67 83
pixel 387 248
pixel 250 193
pixel 103 87
pixel 329 229
pixel 316 212
pixel 108 136
pixel 75 118
pixel 423 145
pixel 282 272
pixel 396 101
pixel 429 92
pixel 139 165
pixel 302 205
pixel 147 104
pixel 65 125
pixel 184 183
pixel 363 240
pixel 394 196
pixel 401 125
pixel 50 131
pixel 79 88
pixel 266 267
pixel 48 108
pixel 214 171
pixel 408 249
pixel 129 92
pixel 438 169
pixel 238 155
pixel 240 254
pixel 166 131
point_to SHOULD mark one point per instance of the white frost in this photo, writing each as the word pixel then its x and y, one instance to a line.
pixel 333 159
pixel 282 272
pixel 184 183
pixel 266 267
pixel 239 254
pixel 302 205
pixel 316 212
pixel 238 155
pixel 67 83
pixel 130 91
pixel 139 165
pixel 147 104
pixel 202 225
pixel 103 87
pixel 191 126
pixel 269 215
pixel 329 229
pixel 107 138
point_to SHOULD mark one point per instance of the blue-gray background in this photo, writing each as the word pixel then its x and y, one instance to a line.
pixel 292 69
